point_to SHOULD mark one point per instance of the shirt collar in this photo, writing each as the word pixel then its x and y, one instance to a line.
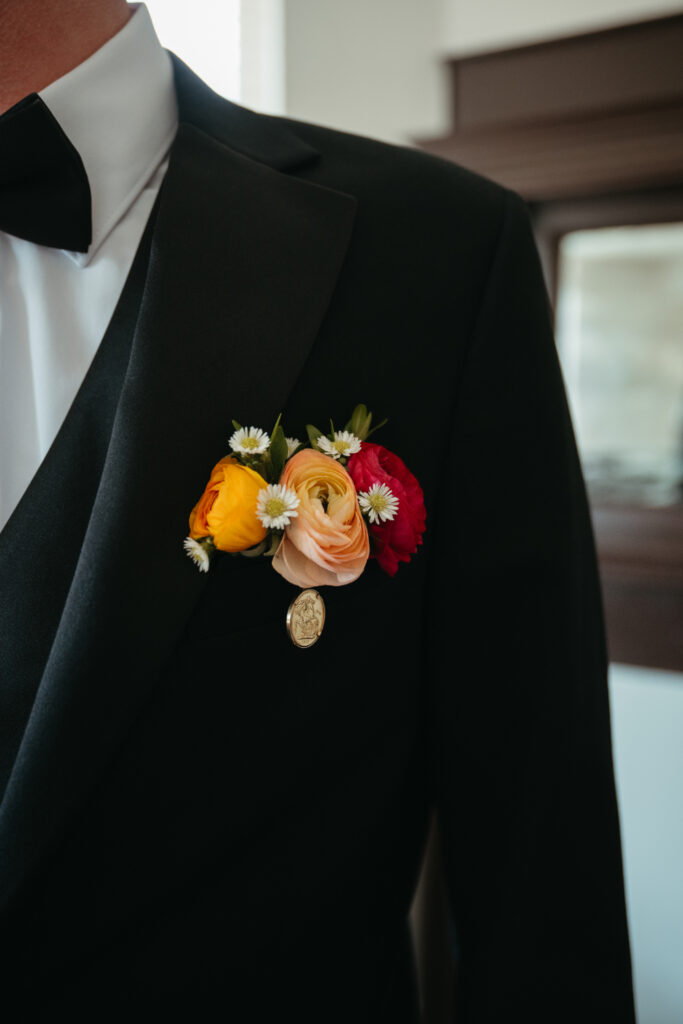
pixel 119 110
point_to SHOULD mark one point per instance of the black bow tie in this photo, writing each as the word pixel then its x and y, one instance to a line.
pixel 44 190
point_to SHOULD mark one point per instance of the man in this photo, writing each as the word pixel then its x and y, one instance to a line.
pixel 198 817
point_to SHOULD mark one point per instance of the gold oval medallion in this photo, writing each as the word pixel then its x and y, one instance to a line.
pixel 306 618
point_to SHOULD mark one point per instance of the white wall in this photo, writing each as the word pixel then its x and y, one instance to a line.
pixel 263 55
pixel 375 67
pixel 366 66
pixel 471 25
pixel 206 35
pixel 647 726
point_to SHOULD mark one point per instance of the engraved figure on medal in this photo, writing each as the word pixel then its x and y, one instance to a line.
pixel 306 618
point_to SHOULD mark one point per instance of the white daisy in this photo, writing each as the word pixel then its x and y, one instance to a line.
pixel 276 506
pixel 198 553
pixel 250 441
pixel 379 502
pixel 292 445
pixel 344 444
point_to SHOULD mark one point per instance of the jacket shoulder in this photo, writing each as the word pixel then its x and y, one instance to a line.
pixel 384 177
pixel 396 174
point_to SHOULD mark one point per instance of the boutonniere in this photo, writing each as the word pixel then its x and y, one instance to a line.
pixel 319 509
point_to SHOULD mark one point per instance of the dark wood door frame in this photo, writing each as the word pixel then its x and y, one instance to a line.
pixel 585 115
pixel 554 218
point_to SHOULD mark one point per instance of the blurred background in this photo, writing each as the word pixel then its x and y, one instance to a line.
pixel 578 106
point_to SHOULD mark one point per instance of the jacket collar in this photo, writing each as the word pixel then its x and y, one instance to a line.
pixel 257 136
pixel 243 264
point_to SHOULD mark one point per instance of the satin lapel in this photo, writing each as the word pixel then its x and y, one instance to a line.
pixel 243 264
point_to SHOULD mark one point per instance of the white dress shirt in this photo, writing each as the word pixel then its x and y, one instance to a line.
pixel 119 110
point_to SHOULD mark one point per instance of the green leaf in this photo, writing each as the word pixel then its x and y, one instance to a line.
pixel 277 424
pixel 256 550
pixel 273 543
pixel 313 434
pixel 278 452
pixel 370 432
pixel 365 427
pixel 264 466
pixel 236 425
pixel 358 417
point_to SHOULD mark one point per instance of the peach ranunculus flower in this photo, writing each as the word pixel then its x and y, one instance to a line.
pixel 327 544
pixel 226 510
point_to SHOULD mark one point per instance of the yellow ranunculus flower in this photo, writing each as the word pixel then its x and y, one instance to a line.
pixel 226 510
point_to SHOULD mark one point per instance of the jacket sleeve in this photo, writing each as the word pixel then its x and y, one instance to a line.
pixel 520 723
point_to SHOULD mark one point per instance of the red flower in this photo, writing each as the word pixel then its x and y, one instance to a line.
pixel 395 540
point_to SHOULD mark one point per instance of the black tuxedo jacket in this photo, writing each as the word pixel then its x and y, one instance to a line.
pixel 201 819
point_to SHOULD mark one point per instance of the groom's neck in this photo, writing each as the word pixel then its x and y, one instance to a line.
pixel 40 40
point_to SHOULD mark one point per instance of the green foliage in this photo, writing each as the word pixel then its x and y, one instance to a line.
pixel 272 462
pixel 277 452
pixel 361 421
pixel 371 432
pixel 273 543
pixel 313 435
pixel 358 417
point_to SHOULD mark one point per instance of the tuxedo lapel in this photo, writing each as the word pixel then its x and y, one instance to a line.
pixel 243 263
pixel 41 543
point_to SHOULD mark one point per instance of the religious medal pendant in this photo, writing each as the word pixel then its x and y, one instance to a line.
pixel 306 618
